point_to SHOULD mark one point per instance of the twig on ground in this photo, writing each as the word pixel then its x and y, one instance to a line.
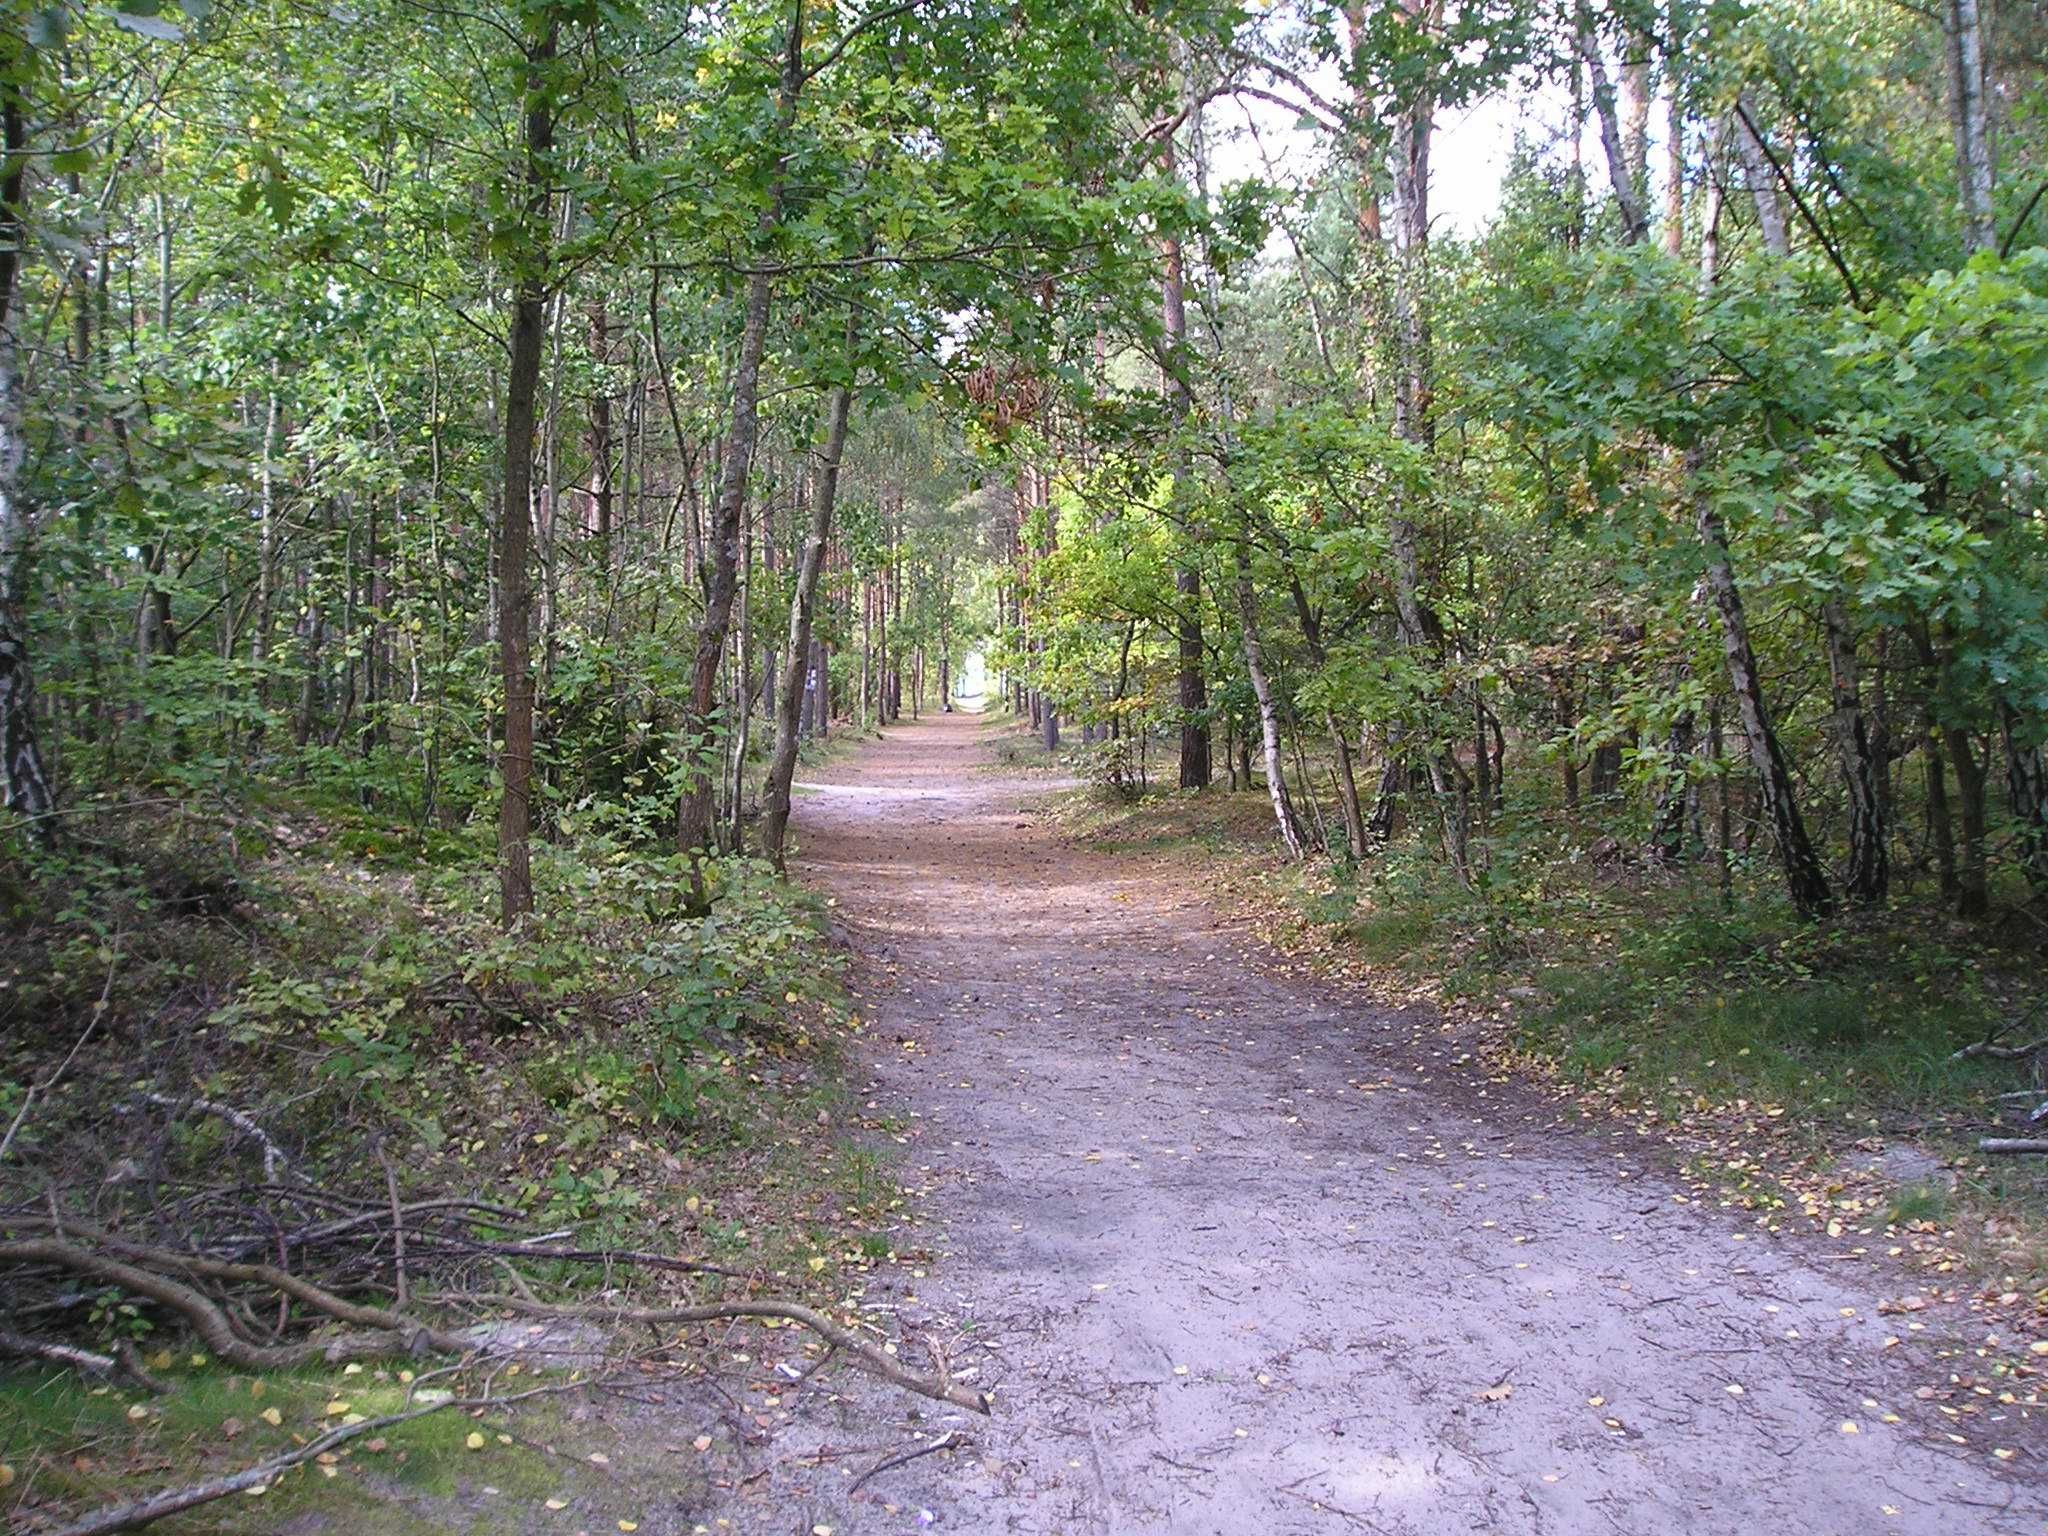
pixel 88 1362
pixel 2012 1144
pixel 873 1359
pixel 274 1157
pixel 950 1440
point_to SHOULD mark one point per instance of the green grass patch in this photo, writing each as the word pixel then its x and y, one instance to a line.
pixel 73 1446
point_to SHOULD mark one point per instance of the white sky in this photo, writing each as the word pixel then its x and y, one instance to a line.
pixel 1469 153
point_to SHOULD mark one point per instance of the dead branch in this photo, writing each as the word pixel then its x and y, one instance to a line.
pixel 85 1361
pixel 1999 1052
pixel 2007 1144
pixel 393 1333
pixel 871 1358
pixel 274 1158
pixel 950 1440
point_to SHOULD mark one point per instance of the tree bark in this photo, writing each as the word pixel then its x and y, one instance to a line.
pixel 1805 881
pixel 775 795
pixel 522 384
pixel 1187 576
pixel 1970 119
pixel 29 792
pixel 693 822
pixel 1621 165
pixel 1269 713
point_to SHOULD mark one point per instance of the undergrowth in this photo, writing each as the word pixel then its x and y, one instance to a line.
pixel 620 1074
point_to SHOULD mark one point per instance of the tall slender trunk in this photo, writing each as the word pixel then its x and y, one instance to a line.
pixel 522 386
pixel 1805 881
pixel 2026 772
pixel 1187 576
pixel 29 792
pixel 1269 712
pixel 775 795
pixel 1621 164
pixel 1970 119
pixel 1762 182
pixel 693 822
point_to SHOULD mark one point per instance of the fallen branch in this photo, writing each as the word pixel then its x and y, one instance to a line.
pixel 950 1440
pixel 394 1333
pixel 122 1364
pixel 2012 1144
pixel 274 1158
pixel 873 1359
pixel 1999 1052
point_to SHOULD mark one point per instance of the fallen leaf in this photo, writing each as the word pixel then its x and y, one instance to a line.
pixel 1499 1392
pixel 475 1441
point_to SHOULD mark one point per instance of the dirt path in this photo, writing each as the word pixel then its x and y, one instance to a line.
pixel 1237 1255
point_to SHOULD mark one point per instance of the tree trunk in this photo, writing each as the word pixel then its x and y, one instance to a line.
pixel 775 795
pixel 1805 881
pixel 522 384
pixel 29 792
pixel 1269 713
pixel 1970 120
pixel 1869 875
pixel 693 822
pixel 1973 887
pixel 1187 576
pixel 1621 164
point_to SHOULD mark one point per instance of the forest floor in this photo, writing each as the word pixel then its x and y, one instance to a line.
pixel 1235 1248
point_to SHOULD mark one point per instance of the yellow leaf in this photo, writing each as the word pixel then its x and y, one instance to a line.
pixel 556 1504
pixel 629 1525
pixel 475 1441
pixel 138 1412
pixel 1849 1427
pixel 271 1417
pixel 336 1408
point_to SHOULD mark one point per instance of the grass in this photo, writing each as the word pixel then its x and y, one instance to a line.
pixel 72 1445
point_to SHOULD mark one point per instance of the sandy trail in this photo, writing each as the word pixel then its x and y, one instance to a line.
pixel 1238 1254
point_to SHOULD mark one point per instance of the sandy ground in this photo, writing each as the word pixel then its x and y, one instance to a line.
pixel 1238 1254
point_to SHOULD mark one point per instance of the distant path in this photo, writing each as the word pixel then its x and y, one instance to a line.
pixel 1241 1256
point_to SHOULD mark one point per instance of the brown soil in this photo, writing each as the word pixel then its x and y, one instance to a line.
pixel 1236 1252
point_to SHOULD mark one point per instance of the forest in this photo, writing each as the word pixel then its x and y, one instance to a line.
pixel 466 469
